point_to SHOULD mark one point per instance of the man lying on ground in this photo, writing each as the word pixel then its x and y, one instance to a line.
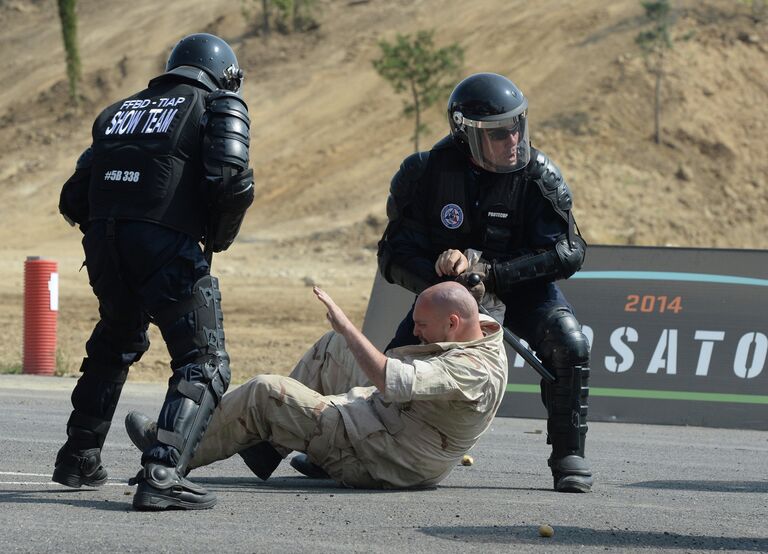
pixel 367 419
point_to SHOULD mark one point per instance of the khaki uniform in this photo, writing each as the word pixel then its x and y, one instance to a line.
pixel 439 398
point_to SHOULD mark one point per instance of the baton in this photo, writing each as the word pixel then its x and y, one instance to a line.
pixel 208 254
pixel 208 244
pixel 513 341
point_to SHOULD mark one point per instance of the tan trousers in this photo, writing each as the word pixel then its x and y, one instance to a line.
pixel 293 413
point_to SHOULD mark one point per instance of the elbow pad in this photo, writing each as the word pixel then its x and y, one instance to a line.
pixel 558 263
pixel 73 201
pixel 407 279
pixel 230 200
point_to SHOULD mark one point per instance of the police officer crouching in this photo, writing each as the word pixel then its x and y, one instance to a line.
pixel 486 189
pixel 167 169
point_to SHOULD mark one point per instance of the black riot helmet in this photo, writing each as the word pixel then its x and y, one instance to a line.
pixel 488 118
pixel 211 54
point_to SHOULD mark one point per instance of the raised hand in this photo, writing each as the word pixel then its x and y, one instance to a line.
pixel 336 316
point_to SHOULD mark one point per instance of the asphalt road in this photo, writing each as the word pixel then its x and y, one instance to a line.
pixel 658 488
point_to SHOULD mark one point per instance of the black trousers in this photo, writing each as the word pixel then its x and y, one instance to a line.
pixel 137 270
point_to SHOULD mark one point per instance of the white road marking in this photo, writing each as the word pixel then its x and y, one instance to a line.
pixel 115 482
pixel 52 484
pixel 26 474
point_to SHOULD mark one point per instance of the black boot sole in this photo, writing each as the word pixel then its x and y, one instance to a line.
pixel 153 500
pixel 573 483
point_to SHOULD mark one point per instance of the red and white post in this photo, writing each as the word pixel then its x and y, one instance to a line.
pixel 41 308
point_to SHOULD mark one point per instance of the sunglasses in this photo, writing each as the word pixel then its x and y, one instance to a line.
pixel 503 133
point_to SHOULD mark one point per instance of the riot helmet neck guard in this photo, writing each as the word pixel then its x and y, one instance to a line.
pixel 488 116
pixel 210 54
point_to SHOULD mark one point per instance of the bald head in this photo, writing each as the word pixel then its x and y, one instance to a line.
pixel 450 297
pixel 446 312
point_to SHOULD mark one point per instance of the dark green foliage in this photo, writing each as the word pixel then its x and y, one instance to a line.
pixel 657 38
pixel 287 16
pixel 295 15
pixel 413 65
pixel 68 19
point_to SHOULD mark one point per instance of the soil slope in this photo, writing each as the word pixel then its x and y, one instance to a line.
pixel 328 133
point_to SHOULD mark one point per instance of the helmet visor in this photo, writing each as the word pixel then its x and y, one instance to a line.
pixel 501 144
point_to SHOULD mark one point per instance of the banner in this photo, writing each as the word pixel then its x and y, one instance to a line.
pixel 679 336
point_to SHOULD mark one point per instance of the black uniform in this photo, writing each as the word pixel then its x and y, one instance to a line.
pixel 522 223
pixel 167 169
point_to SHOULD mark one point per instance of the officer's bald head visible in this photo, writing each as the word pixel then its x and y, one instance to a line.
pixel 446 312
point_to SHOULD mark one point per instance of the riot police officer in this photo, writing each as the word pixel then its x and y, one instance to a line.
pixel 167 169
pixel 485 188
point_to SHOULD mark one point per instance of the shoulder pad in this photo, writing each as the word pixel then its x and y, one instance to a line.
pixel 85 160
pixel 443 143
pixel 402 189
pixel 553 187
pixel 226 102
pixel 186 73
pixel 227 132
pixel 411 170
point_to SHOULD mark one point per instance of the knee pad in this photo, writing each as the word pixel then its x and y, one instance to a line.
pixel 203 335
pixel 560 342
pixel 208 371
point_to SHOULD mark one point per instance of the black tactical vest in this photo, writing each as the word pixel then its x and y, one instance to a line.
pixel 471 209
pixel 147 158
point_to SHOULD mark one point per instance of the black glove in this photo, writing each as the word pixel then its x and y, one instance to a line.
pixel 478 279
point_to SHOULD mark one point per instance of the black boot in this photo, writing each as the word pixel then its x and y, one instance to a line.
pixel 571 474
pixel 77 468
pixel 262 459
pixel 161 487
pixel 141 430
pixel 78 462
pixel 301 463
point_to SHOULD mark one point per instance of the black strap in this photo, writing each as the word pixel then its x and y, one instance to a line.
pixel 192 391
pixel 110 374
pixel 93 424
pixel 173 312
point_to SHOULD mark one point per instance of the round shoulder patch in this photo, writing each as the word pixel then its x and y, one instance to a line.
pixel 452 216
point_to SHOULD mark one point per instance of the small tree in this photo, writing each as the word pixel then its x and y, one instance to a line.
pixel 297 12
pixel 246 8
pixel 68 19
pixel 655 42
pixel 412 64
pixel 757 8
pixel 287 16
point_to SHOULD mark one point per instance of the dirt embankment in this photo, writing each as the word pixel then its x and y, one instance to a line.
pixel 328 134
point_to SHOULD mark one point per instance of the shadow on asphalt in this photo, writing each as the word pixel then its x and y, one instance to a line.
pixel 305 484
pixel 704 486
pixel 28 496
pixel 497 488
pixel 610 538
pixel 294 484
